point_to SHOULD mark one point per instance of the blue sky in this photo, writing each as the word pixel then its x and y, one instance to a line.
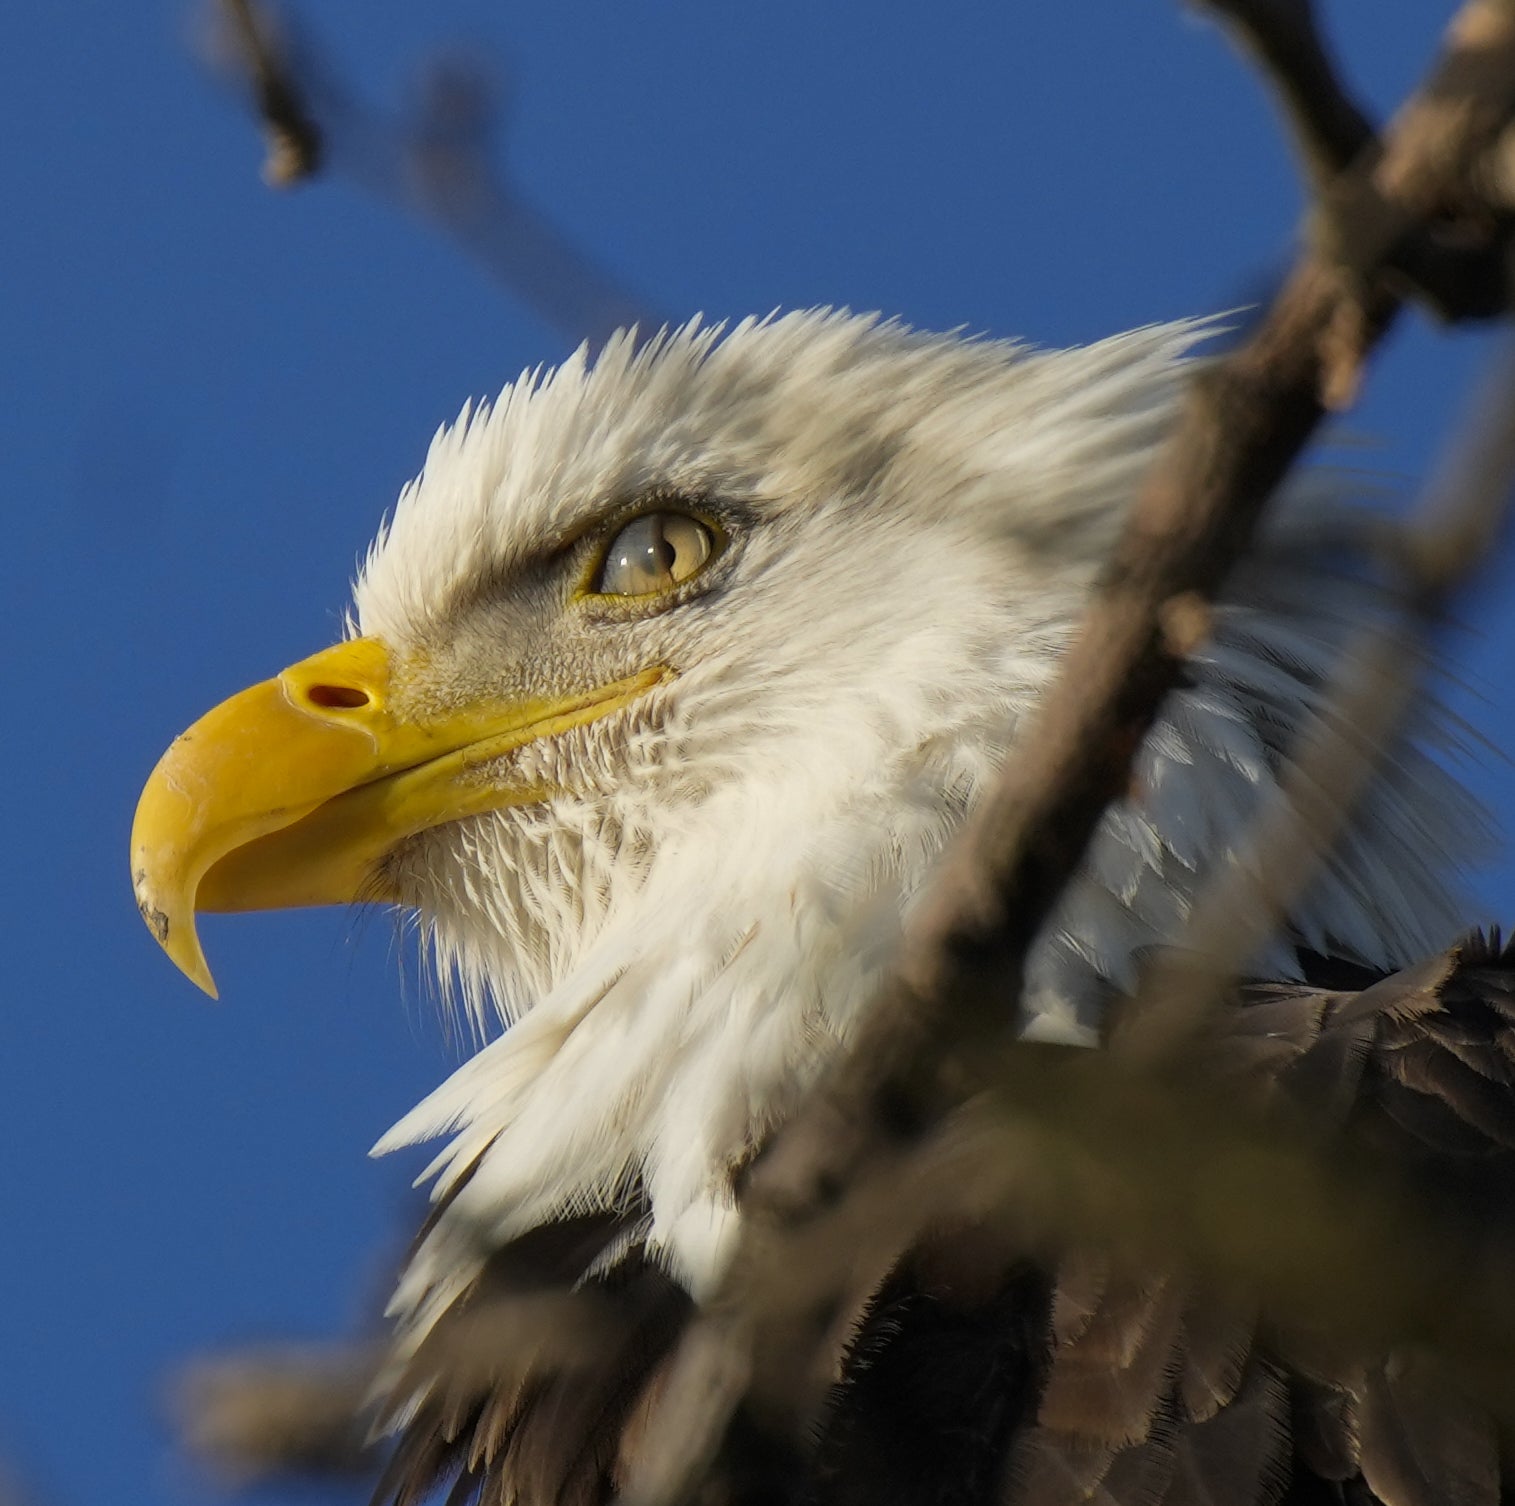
pixel 212 394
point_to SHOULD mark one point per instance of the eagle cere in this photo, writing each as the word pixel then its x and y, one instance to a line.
pixel 673 673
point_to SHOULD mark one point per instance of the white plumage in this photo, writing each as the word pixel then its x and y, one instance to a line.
pixel 911 527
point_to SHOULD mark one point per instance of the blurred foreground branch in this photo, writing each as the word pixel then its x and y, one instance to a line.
pixel 1247 421
pixel 435 162
pixel 267 1412
pixel 1330 130
pixel 1438 555
pixel 294 144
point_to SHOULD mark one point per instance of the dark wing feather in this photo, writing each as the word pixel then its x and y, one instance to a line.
pixel 526 1387
pixel 1422 1443
pixel 1218 1336
pixel 1240 1455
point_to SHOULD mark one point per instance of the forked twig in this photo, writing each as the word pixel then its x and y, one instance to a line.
pixel 436 162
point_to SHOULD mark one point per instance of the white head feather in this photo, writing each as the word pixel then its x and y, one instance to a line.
pixel 915 521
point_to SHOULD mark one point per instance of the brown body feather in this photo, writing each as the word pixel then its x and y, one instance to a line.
pixel 979 1377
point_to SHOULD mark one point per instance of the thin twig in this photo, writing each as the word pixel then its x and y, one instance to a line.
pixel 263 1413
pixel 294 143
pixel 1331 132
pixel 436 162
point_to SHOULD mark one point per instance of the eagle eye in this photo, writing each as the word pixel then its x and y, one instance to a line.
pixel 654 553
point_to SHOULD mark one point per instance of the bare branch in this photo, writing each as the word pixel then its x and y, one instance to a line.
pixel 1201 1168
pixel 1248 419
pixel 436 162
pixel 1330 130
pixel 294 144
pixel 262 1413
pixel 1439 552
pixel 1453 254
pixel 934 1099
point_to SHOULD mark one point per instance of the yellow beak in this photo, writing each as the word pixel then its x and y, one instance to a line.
pixel 292 792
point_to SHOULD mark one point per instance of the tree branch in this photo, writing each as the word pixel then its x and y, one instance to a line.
pixel 862 1168
pixel 294 144
pixel 1330 130
pixel 1438 554
pixel 261 1413
pixel 436 162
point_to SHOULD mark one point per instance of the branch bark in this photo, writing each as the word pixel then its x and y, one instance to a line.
pixel 1331 131
pixel 1404 217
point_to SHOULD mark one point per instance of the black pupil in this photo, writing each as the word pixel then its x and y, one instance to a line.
pixel 663 553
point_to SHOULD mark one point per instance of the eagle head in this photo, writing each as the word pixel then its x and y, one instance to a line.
pixel 668 680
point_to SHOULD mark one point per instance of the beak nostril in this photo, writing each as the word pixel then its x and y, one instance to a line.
pixel 337 697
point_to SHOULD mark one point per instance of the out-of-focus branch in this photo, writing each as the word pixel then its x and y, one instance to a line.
pixel 1455 259
pixel 436 163
pixel 1330 130
pixel 294 144
pixel 1438 553
pixel 887 1146
pixel 935 1037
pixel 259 1414
pixel 1143 1146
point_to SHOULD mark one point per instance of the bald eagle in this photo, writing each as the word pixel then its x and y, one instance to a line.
pixel 667 682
